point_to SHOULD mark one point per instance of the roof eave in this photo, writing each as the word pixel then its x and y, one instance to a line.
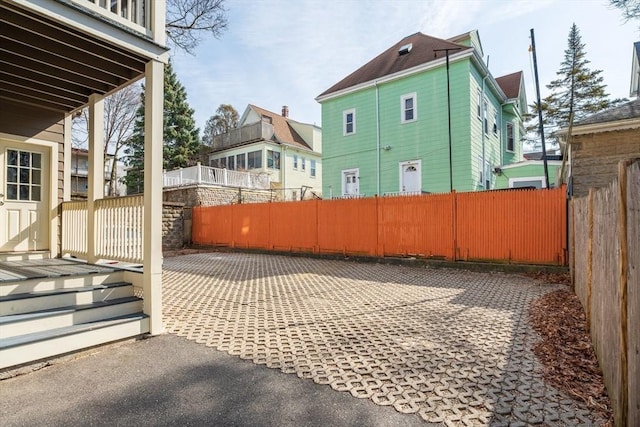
pixel 398 75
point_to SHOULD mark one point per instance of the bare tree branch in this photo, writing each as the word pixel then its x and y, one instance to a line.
pixel 188 20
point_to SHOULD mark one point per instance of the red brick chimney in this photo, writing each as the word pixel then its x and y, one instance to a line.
pixel 285 111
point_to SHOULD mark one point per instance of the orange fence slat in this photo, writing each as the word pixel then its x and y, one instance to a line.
pixel 527 226
pixel 516 226
pixel 418 225
pixel 348 226
pixel 294 226
pixel 251 225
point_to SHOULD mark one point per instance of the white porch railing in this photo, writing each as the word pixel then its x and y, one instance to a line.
pixel 134 14
pixel 402 193
pixel 215 176
pixel 74 228
pixel 119 229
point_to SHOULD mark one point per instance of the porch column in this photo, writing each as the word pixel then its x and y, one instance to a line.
pixel 96 170
pixel 152 264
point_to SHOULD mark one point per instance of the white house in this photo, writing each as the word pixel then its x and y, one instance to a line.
pixel 265 142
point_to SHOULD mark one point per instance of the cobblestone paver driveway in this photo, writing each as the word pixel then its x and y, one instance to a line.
pixel 453 347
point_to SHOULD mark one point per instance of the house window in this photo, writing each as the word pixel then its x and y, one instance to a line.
pixel 313 168
pixel 241 162
pixel 484 173
pixel 479 105
pixel 486 119
pixel 222 162
pixel 295 161
pixel 303 163
pixel 349 121
pixel 495 123
pixel 267 119
pixel 24 175
pixel 254 159
pixel 231 162
pixel 294 195
pixel 408 110
pixel 273 159
pixel 510 137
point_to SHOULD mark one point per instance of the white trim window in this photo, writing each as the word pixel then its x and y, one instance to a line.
pixel 495 122
pixel 312 168
pixel 295 161
pixel 303 164
pixel 510 137
pixel 349 122
pixel 528 182
pixel 485 106
pixel 479 105
pixel 408 108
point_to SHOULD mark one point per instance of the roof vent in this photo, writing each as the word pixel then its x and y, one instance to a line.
pixel 405 49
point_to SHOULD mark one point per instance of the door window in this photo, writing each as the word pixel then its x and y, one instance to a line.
pixel 24 175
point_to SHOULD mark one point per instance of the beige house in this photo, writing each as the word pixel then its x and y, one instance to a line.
pixel 287 151
pixel 57 58
pixel 80 174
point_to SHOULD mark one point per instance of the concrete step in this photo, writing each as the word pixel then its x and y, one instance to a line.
pixel 20 303
pixel 56 342
pixel 42 320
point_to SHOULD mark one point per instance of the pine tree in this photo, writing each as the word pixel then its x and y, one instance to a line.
pixel 578 91
pixel 181 143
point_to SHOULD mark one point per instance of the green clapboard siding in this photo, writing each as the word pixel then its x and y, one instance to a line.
pixel 425 139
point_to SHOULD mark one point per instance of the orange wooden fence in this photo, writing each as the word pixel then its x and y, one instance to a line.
pixel 527 226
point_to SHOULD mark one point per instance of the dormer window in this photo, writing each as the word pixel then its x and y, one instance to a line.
pixel 405 49
pixel 267 119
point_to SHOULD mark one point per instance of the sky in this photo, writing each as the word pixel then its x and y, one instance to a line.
pixel 287 52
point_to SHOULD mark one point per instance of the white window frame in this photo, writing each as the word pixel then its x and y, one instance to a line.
pixel 417 164
pixel 349 171
pixel 479 106
pixel 495 122
pixel 303 164
pixel 312 168
pixel 345 113
pixel 513 137
pixel 295 161
pixel 485 121
pixel 403 111
pixel 542 180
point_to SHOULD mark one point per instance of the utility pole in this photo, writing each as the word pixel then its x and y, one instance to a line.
pixel 540 124
pixel 446 52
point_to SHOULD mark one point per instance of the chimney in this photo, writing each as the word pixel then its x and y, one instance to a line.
pixel 285 111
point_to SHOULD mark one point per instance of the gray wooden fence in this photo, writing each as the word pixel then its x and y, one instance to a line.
pixel 605 265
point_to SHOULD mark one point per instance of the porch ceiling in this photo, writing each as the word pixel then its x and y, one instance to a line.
pixel 45 63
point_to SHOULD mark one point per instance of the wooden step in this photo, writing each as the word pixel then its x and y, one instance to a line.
pixel 42 300
pixel 42 320
pixel 55 342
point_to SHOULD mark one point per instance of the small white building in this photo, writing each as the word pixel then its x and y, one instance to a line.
pixel 266 142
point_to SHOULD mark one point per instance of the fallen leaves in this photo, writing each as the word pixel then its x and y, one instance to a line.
pixel 565 348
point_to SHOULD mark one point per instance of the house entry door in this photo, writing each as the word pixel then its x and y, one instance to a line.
pixel 410 177
pixel 350 183
pixel 24 197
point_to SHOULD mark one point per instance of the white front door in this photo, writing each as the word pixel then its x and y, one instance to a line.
pixel 350 185
pixel 410 176
pixel 24 183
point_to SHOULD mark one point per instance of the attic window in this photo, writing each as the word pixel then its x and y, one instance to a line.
pixel 405 49
pixel 267 119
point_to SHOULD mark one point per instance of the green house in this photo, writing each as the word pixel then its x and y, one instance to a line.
pixel 392 127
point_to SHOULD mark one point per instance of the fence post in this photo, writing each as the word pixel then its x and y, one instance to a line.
pixel 589 258
pixel 621 418
pixel 198 173
pixel 224 176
